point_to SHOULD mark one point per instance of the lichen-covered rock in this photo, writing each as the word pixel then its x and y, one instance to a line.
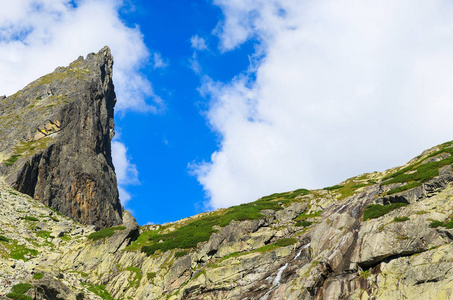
pixel 384 235
pixel 56 135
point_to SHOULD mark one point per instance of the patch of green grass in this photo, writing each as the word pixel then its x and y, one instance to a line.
pixel 20 251
pixel 54 219
pixel 374 211
pixel 29 218
pixel 200 230
pixel 401 219
pixel 447 224
pixel 365 274
pixel 286 242
pixel 44 234
pixel 106 232
pixel 151 275
pixel 10 161
pixel 16 296
pixel 38 275
pixel 65 237
pixel 303 223
pixel 100 291
pixel 21 288
pixel 277 244
pixel 142 240
pixel 350 186
pixel 303 216
pixel 435 224
pixel 334 187
pixel 181 253
pixel 4 239
pixel 286 195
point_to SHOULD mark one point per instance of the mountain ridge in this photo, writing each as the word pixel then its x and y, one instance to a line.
pixel 381 235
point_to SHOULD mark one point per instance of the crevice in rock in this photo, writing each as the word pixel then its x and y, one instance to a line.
pixel 395 199
pixel 371 264
pixel 427 281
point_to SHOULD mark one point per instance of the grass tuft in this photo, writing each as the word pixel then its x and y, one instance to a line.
pixel 29 218
pixel 303 223
pixel 334 187
pixel 10 161
pixel 447 224
pixel 401 219
pixel 106 232
pixel 100 291
pixel 374 211
pixel 181 253
pixel 277 244
pixel 19 290
pixel 16 296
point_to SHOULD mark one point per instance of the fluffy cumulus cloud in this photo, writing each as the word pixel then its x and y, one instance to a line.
pixel 335 89
pixel 198 43
pixel 36 36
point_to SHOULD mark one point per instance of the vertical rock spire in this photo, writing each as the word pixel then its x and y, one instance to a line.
pixel 57 135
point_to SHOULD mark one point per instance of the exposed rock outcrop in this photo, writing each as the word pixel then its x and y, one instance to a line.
pixel 56 136
pixel 386 235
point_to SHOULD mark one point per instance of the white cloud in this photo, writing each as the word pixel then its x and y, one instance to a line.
pixel 194 64
pixel 198 43
pixel 124 195
pixel 126 172
pixel 342 88
pixel 36 36
pixel 159 62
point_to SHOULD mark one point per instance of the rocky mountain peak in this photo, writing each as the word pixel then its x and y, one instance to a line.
pixel 56 140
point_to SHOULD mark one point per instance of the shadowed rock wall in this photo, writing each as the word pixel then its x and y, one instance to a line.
pixel 56 141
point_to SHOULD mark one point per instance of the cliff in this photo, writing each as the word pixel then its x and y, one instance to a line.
pixel 56 135
pixel 381 235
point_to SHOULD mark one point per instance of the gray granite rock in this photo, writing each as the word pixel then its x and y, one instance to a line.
pixel 56 141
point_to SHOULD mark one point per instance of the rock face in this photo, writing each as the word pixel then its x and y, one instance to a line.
pixel 386 235
pixel 56 136
pixel 319 244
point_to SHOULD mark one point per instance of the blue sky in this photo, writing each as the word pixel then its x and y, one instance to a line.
pixel 179 135
pixel 223 101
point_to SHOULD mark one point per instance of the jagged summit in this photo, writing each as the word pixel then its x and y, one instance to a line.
pixel 55 140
